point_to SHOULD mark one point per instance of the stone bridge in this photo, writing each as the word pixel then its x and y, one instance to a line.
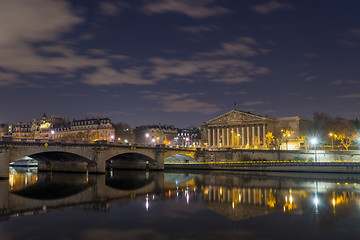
pixel 88 157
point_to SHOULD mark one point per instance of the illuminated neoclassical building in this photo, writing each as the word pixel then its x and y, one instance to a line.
pixel 247 130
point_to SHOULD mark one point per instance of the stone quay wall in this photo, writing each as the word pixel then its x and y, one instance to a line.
pixel 240 155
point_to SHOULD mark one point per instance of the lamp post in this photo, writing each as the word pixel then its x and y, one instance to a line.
pixel 332 141
pixel 314 142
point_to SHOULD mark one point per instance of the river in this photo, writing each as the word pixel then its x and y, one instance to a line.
pixel 179 205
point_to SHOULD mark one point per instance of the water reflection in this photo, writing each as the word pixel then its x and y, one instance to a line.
pixel 233 196
pixel 20 177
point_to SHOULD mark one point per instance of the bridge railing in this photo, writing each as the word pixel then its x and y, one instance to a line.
pixel 9 139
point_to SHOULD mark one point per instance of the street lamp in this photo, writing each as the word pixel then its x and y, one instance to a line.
pixel 332 141
pixel 314 142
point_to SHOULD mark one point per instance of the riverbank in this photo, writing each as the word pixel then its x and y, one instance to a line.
pixel 276 166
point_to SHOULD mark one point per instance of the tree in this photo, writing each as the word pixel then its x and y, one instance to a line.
pixel 269 139
pixel 286 135
pixel 322 126
pixel 346 132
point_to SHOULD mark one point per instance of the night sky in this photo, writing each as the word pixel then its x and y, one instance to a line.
pixel 179 62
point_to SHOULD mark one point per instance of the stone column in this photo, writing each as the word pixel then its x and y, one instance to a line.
pixel 158 163
pixel 265 197
pixel 244 196
pixel 227 137
pixel 264 135
pixel 218 137
pixel 260 202
pixel 213 143
pixel 247 135
pixel 4 163
pixel 253 135
pixel 242 136
pixel 237 137
pixel 254 193
pixel 223 136
pixel 209 136
pixel 259 134
pixel 232 138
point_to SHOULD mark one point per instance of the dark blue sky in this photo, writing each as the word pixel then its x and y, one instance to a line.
pixel 178 62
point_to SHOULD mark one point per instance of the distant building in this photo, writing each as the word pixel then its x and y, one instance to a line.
pixel 5 130
pixel 155 134
pixel 188 137
pixel 22 130
pixel 86 129
pixel 57 128
pixel 239 129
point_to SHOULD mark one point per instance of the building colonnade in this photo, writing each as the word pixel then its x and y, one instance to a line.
pixel 237 136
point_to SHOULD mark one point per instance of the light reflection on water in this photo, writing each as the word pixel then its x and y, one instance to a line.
pixel 179 205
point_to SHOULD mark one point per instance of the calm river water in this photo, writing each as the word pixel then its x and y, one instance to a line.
pixel 179 205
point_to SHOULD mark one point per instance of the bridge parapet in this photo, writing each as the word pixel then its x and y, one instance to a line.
pixel 94 155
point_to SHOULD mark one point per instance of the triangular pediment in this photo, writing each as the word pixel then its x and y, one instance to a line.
pixel 235 116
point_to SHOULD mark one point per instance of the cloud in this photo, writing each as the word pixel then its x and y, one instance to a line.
pixel 349 96
pixel 190 8
pixel 73 94
pixel 111 8
pixel 38 20
pixel 340 81
pixel 235 93
pixel 349 43
pixel 269 7
pixel 355 32
pixel 7 79
pixel 221 67
pixel 243 46
pixel 31 43
pixel 253 103
pixel 310 78
pixel 219 70
pixel 110 76
pixel 30 40
pixel 105 53
pixel 184 103
pixel 307 77
pixel 199 29
pixel 109 113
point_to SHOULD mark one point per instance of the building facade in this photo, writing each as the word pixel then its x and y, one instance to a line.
pixel 22 130
pixel 155 134
pixel 188 137
pixel 5 130
pixel 59 129
pixel 237 129
pixel 93 129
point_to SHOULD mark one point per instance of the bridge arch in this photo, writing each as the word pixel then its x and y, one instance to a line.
pixel 129 160
pixel 58 160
